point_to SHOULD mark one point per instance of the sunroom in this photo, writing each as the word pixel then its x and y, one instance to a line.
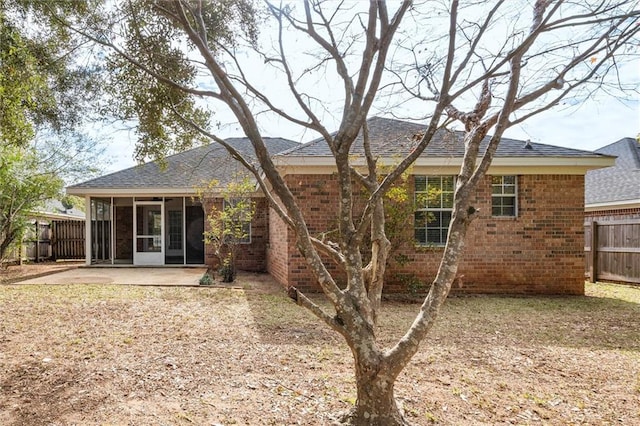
pixel 144 230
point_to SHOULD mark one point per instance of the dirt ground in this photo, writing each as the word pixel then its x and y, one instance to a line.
pixel 114 355
pixel 13 273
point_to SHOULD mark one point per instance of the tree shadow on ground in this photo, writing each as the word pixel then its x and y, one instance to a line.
pixel 572 321
pixel 37 392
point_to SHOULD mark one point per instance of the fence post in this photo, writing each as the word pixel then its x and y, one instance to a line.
pixel 37 241
pixel 593 272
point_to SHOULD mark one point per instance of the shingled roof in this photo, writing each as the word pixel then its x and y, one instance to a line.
pixel 390 138
pixel 620 183
pixel 185 170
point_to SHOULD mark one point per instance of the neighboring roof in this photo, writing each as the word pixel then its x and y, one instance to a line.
pixel 391 138
pixel 53 209
pixel 618 185
pixel 183 171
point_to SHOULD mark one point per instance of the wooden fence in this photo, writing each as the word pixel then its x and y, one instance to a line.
pixel 612 250
pixel 68 239
pixel 37 242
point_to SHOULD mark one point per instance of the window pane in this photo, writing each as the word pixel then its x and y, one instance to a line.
pixel 421 235
pixel 148 244
pixel 508 201
pixel 447 200
pixel 434 182
pixel 175 230
pixel 433 236
pixel 435 220
pixel 421 183
pixel 504 195
pixel 447 183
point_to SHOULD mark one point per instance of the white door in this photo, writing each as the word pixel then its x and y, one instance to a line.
pixel 148 247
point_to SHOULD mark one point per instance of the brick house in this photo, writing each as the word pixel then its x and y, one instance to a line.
pixel 614 192
pixel 528 238
pixel 612 216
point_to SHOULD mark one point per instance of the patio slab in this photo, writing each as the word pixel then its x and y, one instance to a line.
pixel 131 276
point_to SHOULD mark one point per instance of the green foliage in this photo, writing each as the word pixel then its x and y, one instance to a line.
pixel 44 93
pixel 167 116
pixel 399 207
pixel 229 223
pixel 412 283
pixel 25 184
pixel 42 83
pixel 206 279
pixel 227 271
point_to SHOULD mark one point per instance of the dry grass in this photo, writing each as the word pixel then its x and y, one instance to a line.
pixel 148 356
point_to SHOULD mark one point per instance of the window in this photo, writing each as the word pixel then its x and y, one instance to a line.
pixel 239 211
pixel 434 206
pixel 175 230
pixel 504 196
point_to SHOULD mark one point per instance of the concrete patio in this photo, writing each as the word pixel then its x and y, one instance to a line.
pixel 123 275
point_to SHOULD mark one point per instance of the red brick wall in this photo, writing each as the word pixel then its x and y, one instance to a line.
pixel 540 251
pixel 278 248
pixel 318 197
pixel 251 257
pixel 124 232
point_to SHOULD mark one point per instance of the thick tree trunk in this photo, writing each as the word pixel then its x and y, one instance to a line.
pixel 376 404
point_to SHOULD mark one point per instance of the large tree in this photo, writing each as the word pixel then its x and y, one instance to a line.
pixel 45 78
pixel 47 84
pixel 484 65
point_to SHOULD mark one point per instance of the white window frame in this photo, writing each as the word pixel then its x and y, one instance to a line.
pixel 504 194
pixel 445 197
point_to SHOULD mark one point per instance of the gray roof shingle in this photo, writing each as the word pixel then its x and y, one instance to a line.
pixel 620 182
pixel 187 169
pixel 391 138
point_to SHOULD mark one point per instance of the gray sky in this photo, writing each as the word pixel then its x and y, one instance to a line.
pixel 589 125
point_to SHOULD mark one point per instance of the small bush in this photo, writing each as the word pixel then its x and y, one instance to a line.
pixel 412 283
pixel 206 279
pixel 227 273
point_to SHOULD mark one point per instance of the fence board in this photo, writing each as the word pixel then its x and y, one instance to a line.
pixel 68 239
pixel 37 241
pixel 612 250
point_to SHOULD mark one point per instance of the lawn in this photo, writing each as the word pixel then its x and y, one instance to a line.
pixel 108 355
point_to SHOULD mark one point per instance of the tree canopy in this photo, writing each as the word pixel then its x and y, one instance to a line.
pixel 44 82
pixel 47 84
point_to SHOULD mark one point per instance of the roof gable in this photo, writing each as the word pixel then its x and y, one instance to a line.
pixel 391 138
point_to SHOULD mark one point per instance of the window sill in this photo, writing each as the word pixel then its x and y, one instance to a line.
pixel 428 246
